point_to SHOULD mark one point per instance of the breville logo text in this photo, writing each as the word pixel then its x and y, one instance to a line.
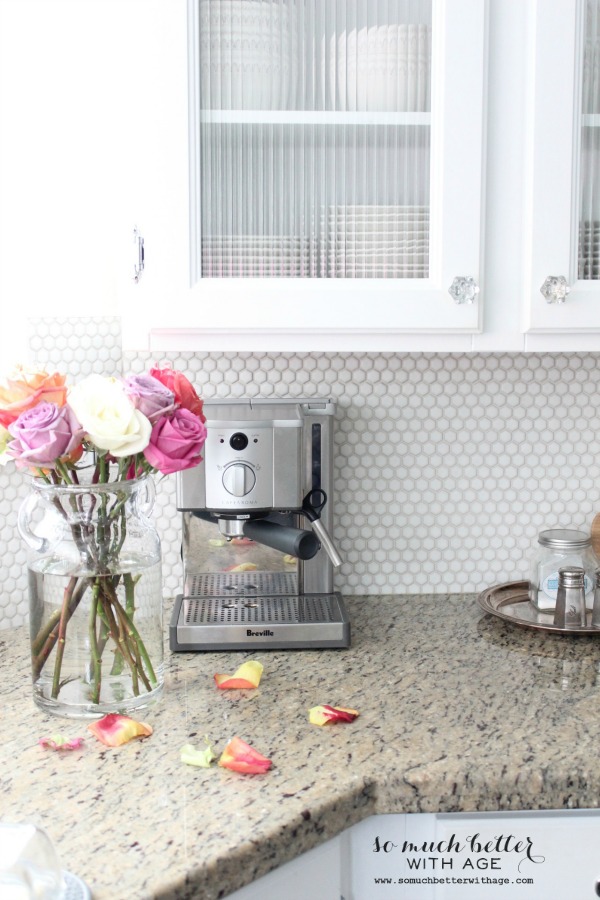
pixel 265 633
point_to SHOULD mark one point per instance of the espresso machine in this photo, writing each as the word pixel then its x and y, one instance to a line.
pixel 258 559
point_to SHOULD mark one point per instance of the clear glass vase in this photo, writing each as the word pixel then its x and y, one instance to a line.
pixel 95 595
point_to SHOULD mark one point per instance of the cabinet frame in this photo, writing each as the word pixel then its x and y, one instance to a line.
pixel 360 307
pixel 552 204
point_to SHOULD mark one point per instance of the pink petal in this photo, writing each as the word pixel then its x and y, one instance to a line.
pixel 114 729
pixel 327 715
pixel 59 742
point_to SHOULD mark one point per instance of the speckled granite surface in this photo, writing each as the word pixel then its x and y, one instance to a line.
pixel 459 711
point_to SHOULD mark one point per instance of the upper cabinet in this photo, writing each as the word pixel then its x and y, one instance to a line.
pixel 357 174
pixel 63 71
pixel 562 220
pixel 336 173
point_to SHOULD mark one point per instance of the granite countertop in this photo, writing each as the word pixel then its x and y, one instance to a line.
pixel 459 711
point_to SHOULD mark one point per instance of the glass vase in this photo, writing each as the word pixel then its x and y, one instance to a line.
pixel 95 595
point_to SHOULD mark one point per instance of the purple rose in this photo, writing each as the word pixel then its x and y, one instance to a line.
pixel 149 396
pixel 176 442
pixel 45 434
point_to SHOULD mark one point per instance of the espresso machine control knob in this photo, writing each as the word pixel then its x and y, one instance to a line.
pixel 239 479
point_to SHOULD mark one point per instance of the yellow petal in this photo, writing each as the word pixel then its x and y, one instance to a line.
pixel 247 676
pixel 202 758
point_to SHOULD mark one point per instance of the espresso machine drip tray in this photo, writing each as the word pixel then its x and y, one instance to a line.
pixel 240 584
pixel 248 619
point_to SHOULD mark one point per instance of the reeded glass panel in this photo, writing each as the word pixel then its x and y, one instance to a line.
pixel 314 143
pixel 589 225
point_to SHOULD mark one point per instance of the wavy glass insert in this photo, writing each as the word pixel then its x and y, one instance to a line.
pixel 314 138
pixel 589 222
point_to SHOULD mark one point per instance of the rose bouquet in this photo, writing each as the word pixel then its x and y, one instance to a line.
pixel 91 448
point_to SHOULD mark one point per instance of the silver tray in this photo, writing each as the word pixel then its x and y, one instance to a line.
pixel 511 602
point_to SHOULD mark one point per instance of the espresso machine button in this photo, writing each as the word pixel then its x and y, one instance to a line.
pixel 238 441
pixel 238 479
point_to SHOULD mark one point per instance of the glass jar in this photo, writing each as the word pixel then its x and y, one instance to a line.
pixel 95 597
pixel 561 547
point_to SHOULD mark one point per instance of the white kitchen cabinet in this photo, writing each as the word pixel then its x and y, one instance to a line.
pixel 456 856
pixel 316 873
pixel 509 179
pixel 562 209
pixel 511 187
pixel 446 856
pixel 319 202
pixel 63 72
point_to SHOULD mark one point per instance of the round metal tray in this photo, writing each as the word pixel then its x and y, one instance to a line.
pixel 511 602
pixel 75 888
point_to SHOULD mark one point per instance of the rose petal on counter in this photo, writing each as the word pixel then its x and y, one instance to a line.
pixel 242 567
pixel 114 729
pixel 202 758
pixel 327 715
pixel 60 742
pixel 289 560
pixel 241 757
pixel 247 676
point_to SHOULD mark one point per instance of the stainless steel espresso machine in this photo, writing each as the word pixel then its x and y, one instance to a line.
pixel 257 516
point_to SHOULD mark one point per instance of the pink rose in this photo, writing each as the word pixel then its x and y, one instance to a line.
pixel 176 442
pixel 185 394
pixel 149 396
pixel 43 435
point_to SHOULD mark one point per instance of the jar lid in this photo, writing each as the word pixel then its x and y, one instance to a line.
pixel 564 539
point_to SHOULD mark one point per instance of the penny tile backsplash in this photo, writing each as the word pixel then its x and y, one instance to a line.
pixel 446 466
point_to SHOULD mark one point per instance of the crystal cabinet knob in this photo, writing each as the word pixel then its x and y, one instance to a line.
pixel 555 289
pixel 464 289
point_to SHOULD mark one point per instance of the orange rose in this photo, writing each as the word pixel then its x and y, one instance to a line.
pixel 26 388
pixel 185 393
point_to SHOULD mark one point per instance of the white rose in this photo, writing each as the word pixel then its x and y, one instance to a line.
pixel 108 416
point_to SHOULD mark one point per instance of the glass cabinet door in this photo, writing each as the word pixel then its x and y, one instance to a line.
pixel 336 164
pixel 563 222
pixel 314 139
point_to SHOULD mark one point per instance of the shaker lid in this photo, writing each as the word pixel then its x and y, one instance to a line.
pixel 564 539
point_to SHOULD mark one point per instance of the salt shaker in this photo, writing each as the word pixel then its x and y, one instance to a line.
pixel 570 598
pixel 596 607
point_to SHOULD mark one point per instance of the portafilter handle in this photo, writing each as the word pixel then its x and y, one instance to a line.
pixel 294 541
pixel 312 507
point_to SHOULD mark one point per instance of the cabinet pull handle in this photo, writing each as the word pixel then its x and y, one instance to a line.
pixel 555 289
pixel 464 289
pixel 138 263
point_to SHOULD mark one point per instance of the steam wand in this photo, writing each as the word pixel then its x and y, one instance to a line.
pixel 312 507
